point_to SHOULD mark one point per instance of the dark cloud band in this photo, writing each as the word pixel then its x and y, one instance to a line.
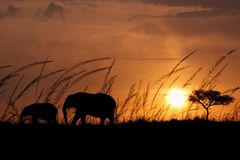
pixel 210 7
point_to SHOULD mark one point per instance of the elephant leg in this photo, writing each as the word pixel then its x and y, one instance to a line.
pixel 51 121
pixel 83 119
pixel 34 119
pixel 111 120
pixel 54 120
pixel 102 120
pixel 75 119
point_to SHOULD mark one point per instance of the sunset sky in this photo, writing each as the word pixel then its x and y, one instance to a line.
pixel 146 37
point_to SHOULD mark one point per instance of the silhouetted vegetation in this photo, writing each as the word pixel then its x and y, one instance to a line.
pixel 209 98
pixel 145 103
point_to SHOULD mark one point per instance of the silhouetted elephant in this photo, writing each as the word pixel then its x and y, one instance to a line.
pixel 96 105
pixel 43 111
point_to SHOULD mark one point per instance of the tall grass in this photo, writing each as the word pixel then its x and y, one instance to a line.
pixel 63 83
pixel 142 102
pixel 149 102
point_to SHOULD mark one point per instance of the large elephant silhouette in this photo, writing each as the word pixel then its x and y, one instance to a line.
pixel 98 105
pixel 43 111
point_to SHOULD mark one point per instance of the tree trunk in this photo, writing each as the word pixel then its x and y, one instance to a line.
pixel 207 114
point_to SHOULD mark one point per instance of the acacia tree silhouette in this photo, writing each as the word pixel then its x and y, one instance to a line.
pixel 209 98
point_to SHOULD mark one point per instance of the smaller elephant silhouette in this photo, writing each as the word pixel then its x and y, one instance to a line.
pixel 43 111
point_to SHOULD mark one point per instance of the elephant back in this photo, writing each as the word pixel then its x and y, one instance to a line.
pixel 98 102
pixel 106 100
pixel 44 111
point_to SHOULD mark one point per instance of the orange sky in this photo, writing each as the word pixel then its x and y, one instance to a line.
pixel 146 37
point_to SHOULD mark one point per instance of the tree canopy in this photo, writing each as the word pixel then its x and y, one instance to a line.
pixel 209 98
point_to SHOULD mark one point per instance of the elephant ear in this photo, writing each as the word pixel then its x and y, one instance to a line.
pixel 67 104
pixel 70 101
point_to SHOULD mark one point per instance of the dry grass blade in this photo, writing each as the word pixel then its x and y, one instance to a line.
pixel 231 91
pixel 137 100
pixel 109 87
pixel 192 77
pixel 61 92
pixel 86 88
pixel 175 70
pixel 35 80
pixel 109 84
pixel 173 82
pixel 78 65
pixel 4 113
pixel 131 94
pixel 146 95
pixel 171 73
pixel 38 81
pixel 10 102
pixel 212 81
pixel 62 78
pixel 111 79
pixel 58 83
pixel 185 58
pixel 107 75
pixel 4 80
pixel 156 94
pixel 87 74
pixel 31 65
pixel 6 66
pixel 235 112
pixel 40 95
pixel 121 110
pixel 15 73
pixel 231 52
pixel 214 68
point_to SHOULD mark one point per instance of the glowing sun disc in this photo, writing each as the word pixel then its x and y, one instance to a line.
pixel 176 98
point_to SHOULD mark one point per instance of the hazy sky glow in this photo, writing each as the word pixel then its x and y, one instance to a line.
pixel 147 37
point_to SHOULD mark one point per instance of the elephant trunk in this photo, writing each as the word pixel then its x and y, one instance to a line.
pixel 21 117
pixel 64 110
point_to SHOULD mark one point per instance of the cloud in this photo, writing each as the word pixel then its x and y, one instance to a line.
pixel 209 7
pixel 202 3
pixel 223 27
pixel 53 9
pixel 188 18
pixel 104 31
pixel 202 13
pixel 209 13
pixel 12 10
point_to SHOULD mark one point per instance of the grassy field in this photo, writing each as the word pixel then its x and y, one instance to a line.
pixel 134 139
pixel 167 128
pixel 143 108
pixel 141 102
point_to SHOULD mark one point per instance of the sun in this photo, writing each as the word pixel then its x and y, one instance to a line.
pixel 176 98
